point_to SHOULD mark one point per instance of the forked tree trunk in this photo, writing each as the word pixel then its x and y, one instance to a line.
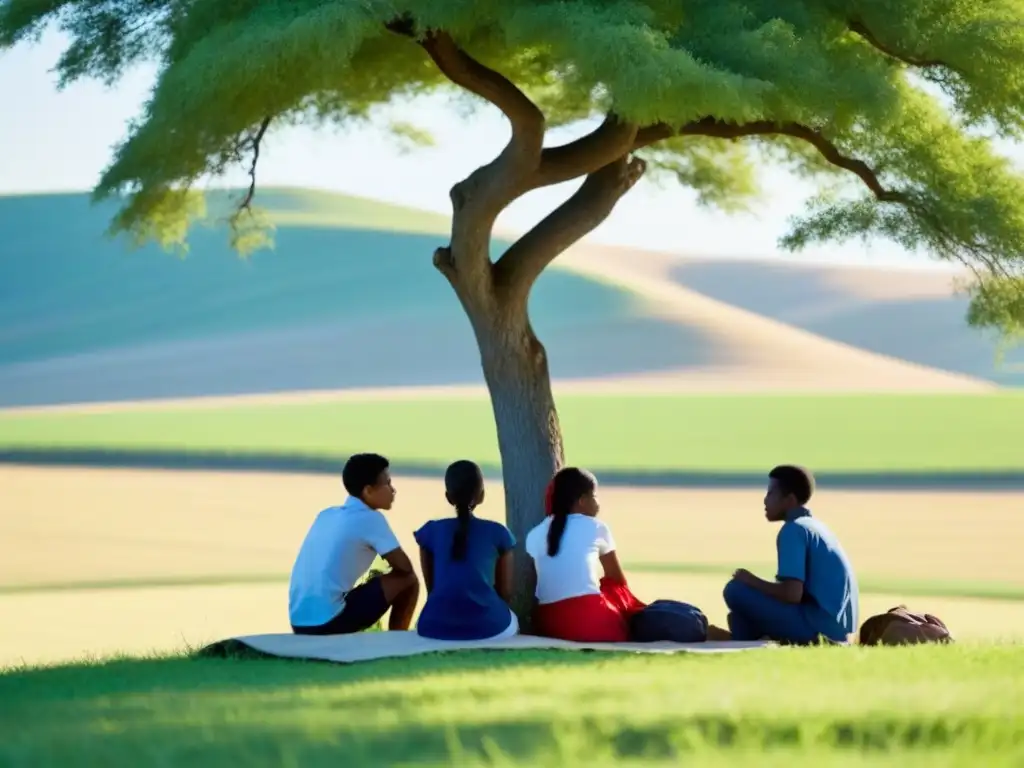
pixel 495 297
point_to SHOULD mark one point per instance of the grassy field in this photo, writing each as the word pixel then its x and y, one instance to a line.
pixel 135 561
pixel 105 561
pixel 110 569
pixel 883 434
pixel 936 706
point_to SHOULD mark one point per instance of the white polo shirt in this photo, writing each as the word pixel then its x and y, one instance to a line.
pixel 338 549
pixel 576 570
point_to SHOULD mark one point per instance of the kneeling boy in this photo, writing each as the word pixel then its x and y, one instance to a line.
pixel 815 591
pixel 340 548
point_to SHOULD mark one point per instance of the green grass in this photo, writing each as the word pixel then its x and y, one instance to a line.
pixel 934 706
pixel 856 433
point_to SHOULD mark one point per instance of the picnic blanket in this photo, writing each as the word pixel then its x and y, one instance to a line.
pixel 370 646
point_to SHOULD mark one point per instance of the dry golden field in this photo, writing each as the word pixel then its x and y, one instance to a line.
pixel 83 531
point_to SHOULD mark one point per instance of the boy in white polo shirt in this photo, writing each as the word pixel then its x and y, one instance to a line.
pixel 339 549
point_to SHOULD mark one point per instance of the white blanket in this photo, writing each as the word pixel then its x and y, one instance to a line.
pixel 368 646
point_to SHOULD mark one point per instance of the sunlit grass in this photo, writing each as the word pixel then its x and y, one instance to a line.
pixel 821 706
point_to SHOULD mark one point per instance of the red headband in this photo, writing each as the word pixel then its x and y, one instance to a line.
pixel 549 495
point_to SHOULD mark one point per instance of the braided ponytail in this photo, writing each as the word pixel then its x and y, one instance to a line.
pixel 566 488
pixel 464 486
pixel 460 539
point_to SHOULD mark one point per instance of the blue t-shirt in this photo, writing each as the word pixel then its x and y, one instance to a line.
pixel 810 552
pixel 463 604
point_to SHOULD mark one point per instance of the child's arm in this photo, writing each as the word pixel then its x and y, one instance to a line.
pixel 607 555
pixel 503 576
pixel 505 542
pixel 384 542
pixel 788 586
pixel 785 590
pixel 612 568
pixel 399 562
pixel 427 567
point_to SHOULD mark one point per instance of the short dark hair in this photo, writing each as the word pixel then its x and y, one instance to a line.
pixel 795 480
pixel 361 470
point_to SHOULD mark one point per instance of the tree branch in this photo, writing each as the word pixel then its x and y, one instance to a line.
pixel 254 146
pixel 478 199
pixel 830 152
pixel 613 139
pixel 714 128
pixel 463 70
pixel 860 29
pixel 520 266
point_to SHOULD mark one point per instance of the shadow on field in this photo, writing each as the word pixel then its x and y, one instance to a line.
pixel 959 588
pixel 331 465
pixel 203 712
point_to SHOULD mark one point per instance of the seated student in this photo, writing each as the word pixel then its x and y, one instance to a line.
pixel 815 591
pixel 467 566
pixel 340 548
pixel 570 550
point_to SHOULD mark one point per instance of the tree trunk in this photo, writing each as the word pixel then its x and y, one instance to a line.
pixel 529 437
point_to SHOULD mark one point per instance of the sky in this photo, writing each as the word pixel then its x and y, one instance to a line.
pixel 62 140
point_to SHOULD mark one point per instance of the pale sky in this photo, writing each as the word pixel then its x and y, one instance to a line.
pixel 61 141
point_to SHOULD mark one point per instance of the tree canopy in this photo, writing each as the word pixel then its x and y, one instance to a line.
pixel 902 97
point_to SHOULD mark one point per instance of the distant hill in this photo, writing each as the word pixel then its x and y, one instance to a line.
pixel 348 298
pixel 913 314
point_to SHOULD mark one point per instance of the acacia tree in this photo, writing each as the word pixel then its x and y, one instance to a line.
pixel 903 97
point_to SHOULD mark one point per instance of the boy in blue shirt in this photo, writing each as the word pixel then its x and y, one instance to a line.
pixel 815 591
pixel 467 566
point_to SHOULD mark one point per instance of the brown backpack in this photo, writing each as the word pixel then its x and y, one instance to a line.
pixel 898 626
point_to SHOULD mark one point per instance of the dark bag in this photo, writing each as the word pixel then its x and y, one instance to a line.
pixel 669 620
pixel 898 626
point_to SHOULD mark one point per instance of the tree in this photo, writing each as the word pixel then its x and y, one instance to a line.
pixel 903 97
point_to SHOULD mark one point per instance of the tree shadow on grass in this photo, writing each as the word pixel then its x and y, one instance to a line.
pixel 526 742
pixel 170 459
pixel 244 708
pixel 420 711
pixel 230 664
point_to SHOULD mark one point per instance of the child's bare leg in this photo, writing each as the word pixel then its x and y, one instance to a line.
pixel 402 591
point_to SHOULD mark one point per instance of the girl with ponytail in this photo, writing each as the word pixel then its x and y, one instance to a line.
pixel 467 566
pixel 582 593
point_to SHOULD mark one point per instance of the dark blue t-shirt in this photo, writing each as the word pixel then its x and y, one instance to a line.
pixel 811 553
pixel 463 604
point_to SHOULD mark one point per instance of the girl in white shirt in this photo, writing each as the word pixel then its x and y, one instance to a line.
pixel 582 593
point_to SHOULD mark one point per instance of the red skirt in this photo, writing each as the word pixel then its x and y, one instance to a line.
pixel 602 618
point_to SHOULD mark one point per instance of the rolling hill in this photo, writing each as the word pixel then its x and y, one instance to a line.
pixel 349 299
pixel 912 314
pixel 780 315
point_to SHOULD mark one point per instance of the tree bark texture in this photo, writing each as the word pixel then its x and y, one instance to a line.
pixel 515 369
pixel 529 436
